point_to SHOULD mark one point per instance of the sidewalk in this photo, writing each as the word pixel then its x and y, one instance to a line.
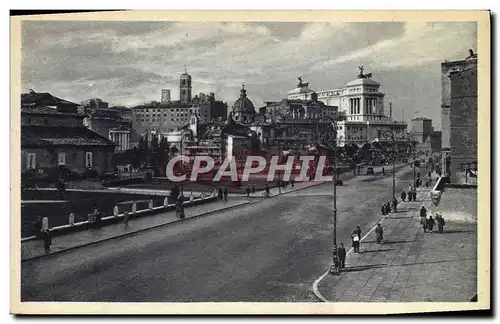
pixel 34 249
pixel 410 265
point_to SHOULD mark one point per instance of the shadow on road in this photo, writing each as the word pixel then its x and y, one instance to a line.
pixel 363 268
pixel 379 250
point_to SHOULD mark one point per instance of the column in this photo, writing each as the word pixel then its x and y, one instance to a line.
pixel 358 102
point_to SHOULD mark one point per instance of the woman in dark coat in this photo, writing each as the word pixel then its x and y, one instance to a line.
pixel 430 223
pixel 403 195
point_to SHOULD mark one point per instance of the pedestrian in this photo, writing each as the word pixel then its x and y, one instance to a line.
pixel 382 209
pixel 356 238
pixel 248 191
pixel 427 184
pixel 225 194
pixel 179 209
pixel 126 217
pixel 379 233
pixel 394 204
pixel 417 183
pixel 403 195
pixel 423 218
pixel 341 252
pixel 383 171
pixel 98 217
pixel 440 222
pixel 268 194
pixel 388 208
pixel 47 240
pixel 220 194
pixel 291 182
pixel 430 223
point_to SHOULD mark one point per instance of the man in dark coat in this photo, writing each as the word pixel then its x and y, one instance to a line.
pixel 225 194
pixel 423 218
pixel 394 204
pixel 248 191
pixel 220 194
pixel 379 233
pixel 383 210
pixel 47 240
pixel 267 190
pixel 341 252
pixel 403 195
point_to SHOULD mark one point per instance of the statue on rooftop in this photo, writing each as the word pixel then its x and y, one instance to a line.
pixel 302 84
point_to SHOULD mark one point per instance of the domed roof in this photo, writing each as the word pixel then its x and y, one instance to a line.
pixel 243 104
pixel 363 81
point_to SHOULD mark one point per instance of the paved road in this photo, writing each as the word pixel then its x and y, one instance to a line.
pixel 270 250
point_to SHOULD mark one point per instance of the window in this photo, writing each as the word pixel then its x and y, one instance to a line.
pixel 88 159
pixel 61 158
pixel 31 161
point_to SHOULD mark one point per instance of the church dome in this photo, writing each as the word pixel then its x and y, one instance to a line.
pixel 243 104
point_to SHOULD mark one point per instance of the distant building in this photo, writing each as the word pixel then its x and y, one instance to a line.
pixel 459 116
pixel 165 96
pixel 421 129
pixel 362 104
pixel 170 117
pixel 54 138
pixel 92 104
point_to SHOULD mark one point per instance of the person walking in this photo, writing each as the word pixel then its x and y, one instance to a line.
pixel 341 252
pixel 98 218
pixel 225 194
pixel 267 191
pixel 248 191
pixel 383 171
pixel 430 223
pixel 423 218
pixel 394 204
pixel 379 233
pixel 126 217
pixel 403 195
pixel 220 194
pixel 388 207
pixel 440 222
pixel 179 209
pixel 47 240
pixel 356 239
pixel 382 209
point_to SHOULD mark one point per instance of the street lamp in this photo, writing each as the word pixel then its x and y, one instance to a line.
pixel 390 135
pixel 334 127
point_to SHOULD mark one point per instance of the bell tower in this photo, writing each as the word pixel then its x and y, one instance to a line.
pixel 185 88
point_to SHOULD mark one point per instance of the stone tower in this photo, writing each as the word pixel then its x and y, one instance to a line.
pixel 185 88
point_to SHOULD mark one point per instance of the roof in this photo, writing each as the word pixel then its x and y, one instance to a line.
pixel 44 110
pixel 243 104
pixel 61 136
pixel 362 81
pixel 300 90
pixel 33 97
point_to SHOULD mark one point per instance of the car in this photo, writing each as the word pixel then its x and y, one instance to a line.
pixel 370 171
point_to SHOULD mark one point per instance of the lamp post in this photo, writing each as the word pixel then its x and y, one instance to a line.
pixel 390 135
pixel 334 127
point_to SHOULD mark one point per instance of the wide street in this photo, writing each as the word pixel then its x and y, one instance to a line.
pixel 269 250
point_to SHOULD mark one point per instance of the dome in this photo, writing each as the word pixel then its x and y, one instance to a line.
pixel 363 81
pixel 243 104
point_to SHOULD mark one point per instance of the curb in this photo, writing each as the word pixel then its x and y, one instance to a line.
pixel 135 232
pixel 316 283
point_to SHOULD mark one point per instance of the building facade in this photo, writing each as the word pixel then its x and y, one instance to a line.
pixel 53 137
pixel 170 117
pixel 463 123
pixel 362 105
pixel 449 68
pixel 165 96
pixel 421 129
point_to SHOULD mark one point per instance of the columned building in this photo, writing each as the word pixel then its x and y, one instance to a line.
pixel 362 104
pixel 121 137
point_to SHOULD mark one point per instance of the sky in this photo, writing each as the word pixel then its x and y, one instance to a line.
pixel 128 63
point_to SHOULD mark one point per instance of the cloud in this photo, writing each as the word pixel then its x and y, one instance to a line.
pixel 130 62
